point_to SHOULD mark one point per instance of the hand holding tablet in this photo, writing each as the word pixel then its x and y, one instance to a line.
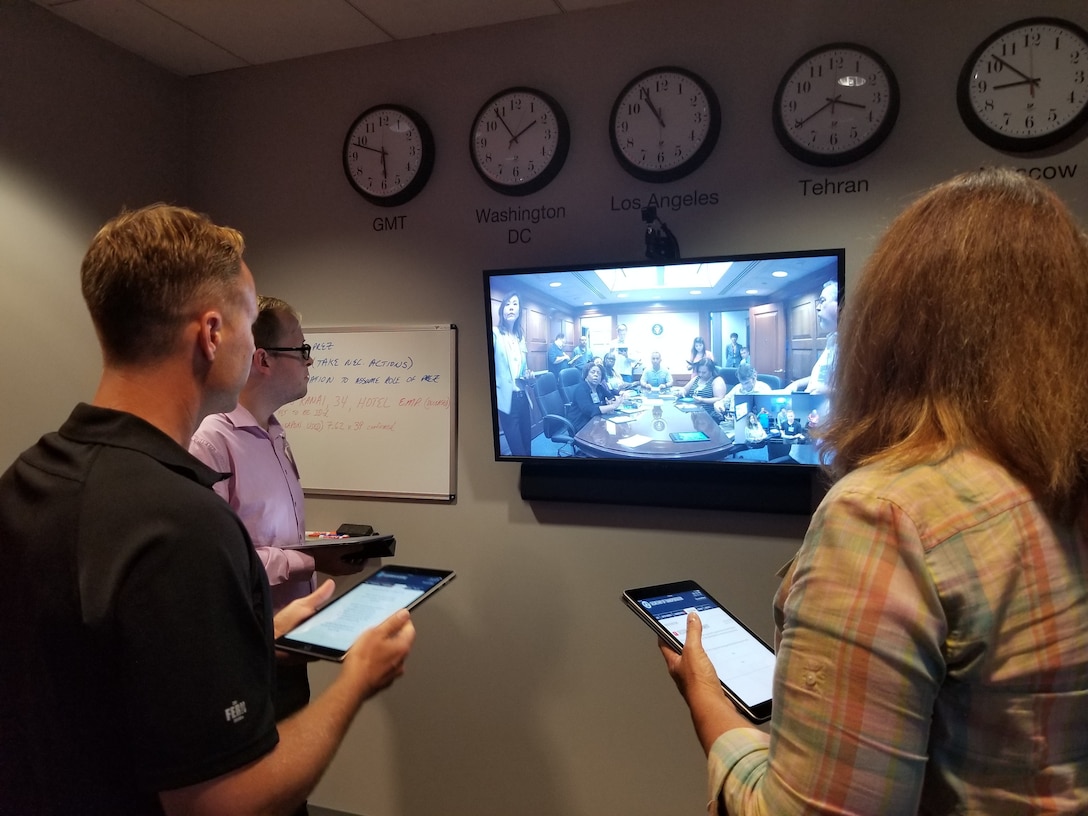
pixel 330 632
pixel 743 662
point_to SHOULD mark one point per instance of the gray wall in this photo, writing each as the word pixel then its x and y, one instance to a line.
pixel 530 689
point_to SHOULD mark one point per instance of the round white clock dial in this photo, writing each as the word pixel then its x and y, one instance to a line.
pixel 388 154
pixel 519 141
pixel 836 104
pixel 664 124
pixel 1026 86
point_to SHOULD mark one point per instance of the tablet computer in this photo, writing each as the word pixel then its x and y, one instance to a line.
pixel 689 436
pixel 744 663
pixel 330 632
pixel 374 546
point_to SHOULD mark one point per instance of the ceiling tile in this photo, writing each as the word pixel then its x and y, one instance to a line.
pixel 420 18
pixel 192 37
pixel 260 31
pixel 145 32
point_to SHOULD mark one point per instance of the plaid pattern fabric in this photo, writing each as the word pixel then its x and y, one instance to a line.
pixel 932 639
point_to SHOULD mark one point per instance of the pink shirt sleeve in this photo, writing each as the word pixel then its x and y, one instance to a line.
pixel 264 490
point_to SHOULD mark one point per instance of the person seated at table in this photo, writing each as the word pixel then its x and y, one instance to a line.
pixel 748 383
pixel 707 386
pixel 611 378
pixel 655 378
pixel 793 427
pixel 591 397
pixel 754 432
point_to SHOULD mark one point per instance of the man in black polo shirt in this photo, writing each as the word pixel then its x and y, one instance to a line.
pixel 137 660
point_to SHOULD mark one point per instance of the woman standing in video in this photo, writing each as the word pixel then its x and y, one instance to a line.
pixel 512 377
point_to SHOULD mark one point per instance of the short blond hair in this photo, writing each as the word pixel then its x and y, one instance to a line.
pixel 147 269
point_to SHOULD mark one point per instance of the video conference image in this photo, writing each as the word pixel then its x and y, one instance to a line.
pixel 726 359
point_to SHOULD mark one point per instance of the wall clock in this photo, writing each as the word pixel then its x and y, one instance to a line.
pixel 389 154
pixel 664 124
pixel 836 104
pixel 519 141
pixel 1026 86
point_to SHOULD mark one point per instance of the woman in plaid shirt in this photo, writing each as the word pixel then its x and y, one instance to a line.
pixel 932 632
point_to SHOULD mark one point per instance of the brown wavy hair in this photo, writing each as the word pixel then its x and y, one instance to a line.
pixel 970 317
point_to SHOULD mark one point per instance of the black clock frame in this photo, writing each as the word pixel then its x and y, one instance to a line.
pixel 697 158
pixel 847 156
pixel 558 159
pixel 1002 141
pixel 426 162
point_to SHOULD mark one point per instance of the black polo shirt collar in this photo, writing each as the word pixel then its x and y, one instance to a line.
pixel 92 425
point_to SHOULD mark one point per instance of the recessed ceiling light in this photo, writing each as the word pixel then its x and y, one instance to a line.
pixel 780 274
pixel 555 284
pixel 695 292
pixel 588 303
pixel 622 294
pixel 751 291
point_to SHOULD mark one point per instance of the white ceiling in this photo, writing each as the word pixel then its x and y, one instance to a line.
pixel 189 37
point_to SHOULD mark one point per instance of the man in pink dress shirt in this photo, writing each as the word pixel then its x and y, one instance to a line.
pixel 263 487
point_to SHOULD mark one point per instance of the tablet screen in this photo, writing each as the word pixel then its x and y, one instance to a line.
pixel 331 631
pixel 744 663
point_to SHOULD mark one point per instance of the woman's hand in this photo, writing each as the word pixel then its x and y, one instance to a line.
pixel 695 677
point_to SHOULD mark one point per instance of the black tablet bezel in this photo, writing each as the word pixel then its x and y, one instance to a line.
pixel 758 713
pixel 287 643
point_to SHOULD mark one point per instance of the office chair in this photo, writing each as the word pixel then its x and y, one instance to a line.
pixel 568 381
pixel 553 414
pixel 771 380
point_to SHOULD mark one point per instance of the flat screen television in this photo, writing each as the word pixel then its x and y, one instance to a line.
pixel 733 432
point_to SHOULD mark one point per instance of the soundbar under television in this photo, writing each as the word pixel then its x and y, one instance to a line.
pixel 706 373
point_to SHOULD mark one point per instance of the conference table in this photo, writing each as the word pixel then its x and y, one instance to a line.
pixel 656 427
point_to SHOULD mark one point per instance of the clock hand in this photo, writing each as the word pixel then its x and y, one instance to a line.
pixel 1031 67
pixel 830 103
pixel 1031 82
pixel 522 131
pixel 657 114
pixel 368 147
pixel 850 104
pixel 1014 69
pixel 499 117
pixel 384 154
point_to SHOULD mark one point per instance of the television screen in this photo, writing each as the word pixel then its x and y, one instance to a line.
pixel 718 362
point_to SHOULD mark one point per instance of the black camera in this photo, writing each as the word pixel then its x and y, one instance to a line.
pixel 661 244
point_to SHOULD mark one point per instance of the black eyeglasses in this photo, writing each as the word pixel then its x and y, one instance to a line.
pixel 304 349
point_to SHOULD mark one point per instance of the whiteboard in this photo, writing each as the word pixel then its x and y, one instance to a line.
pixel 380 415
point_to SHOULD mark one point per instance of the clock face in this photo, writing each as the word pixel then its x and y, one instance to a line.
pixel 388 154
pixel 836 104
pixel 664 124
pixel 519 141
pixel 1026 86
